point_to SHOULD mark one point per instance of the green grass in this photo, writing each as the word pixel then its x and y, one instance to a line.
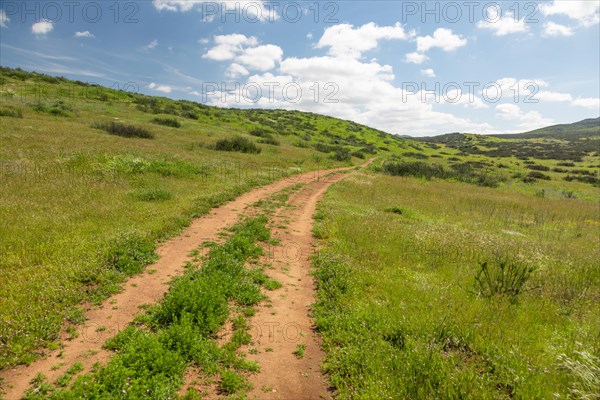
pixel 152 354
pixel 73 196
pixel 475 293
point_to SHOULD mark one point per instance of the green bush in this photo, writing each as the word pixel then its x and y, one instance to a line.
pixel 271 141
pixel 171 122
pixel 238 144
pixel 129 253
pixel 232 382
pixel 58 108
pixel 341 154
pixel 124 130
pixel 11 112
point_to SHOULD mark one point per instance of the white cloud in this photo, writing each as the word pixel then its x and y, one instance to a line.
pixel 442 38
pixel 251 10
pixel 236 70
pixel 229 46
pixel 3 19
pixel 592 103
pixel 416 58
pixel 261 58
pixel 309 36
pixel 553 96
pixel 151 45
pixel 516 88
pixel 42 28
pixel 586 12
pixel 160 88
pixel 85 34
pixel 469 100
pixel 204 41
pixel 554 29
pixel 503 26
pixel 430 73
pixel 246 51
pixel 528 121
pixel 343 40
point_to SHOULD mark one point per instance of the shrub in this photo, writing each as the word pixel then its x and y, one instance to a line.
pixel 358 154
pixel 538 175
pixel 171 122
pixel 419 156
pixel 502 278
pixel 58 108
pixel 238 144
pixel 270 140
pixel 11 112
pixel 261 132
pixel 231 382
pixel 123 130
pixel 341 154
pixel 538 167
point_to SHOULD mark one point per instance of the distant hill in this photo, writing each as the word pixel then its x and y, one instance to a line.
pixel 561 142
pixel 587 127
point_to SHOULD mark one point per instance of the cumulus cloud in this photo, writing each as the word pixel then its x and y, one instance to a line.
pixel 160 88
pixel 528 121
pixel 344 40
pixel 553 96
pixel 553 29
pixel 252 10
pixel 85 34
pixel 503 26
pixel 442 38
pixel 590 102
pixel 236 70
pixel 429 73
pixel 42 28
pixel 416 58
pixel 3 19
pixel 585 12
pixel 245 51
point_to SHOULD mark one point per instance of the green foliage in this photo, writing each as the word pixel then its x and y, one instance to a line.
pixel 502 278
pixel 171 122
pixel 239 144
pixel 129 253
pixel 58 108
pixel 13 112
pixel 460 172
pixel 124 130
pixel 232 382
pixel 341 154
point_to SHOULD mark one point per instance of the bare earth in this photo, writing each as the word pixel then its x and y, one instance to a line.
pixel 284 324
pixel 148 288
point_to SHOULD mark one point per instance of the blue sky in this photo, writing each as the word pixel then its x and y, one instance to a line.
pixel 406 67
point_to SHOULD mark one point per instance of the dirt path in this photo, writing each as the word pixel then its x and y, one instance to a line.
pixel 149 287
pixel 284 325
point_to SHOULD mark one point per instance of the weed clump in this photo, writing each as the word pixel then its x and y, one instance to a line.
pixel 124 130
pixel 502 278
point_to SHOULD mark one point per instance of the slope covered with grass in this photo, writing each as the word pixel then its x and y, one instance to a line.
pixel 93 177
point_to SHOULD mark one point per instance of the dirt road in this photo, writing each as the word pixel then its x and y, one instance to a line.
pixel 149 287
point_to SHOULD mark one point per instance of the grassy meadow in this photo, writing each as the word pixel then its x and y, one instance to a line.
pixel 92 178
pixel 444 289
pixel 461 266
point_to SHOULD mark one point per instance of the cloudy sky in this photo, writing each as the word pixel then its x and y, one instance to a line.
pixel 411 68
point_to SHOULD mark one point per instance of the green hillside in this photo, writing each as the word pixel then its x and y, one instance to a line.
pixel 82 208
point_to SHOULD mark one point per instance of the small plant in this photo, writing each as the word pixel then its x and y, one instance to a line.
pixel 502 278
pixel 171 122
pixel 299 352
pixel 153 194
pixel 232 382
pixel 584 369
pixel 124 130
